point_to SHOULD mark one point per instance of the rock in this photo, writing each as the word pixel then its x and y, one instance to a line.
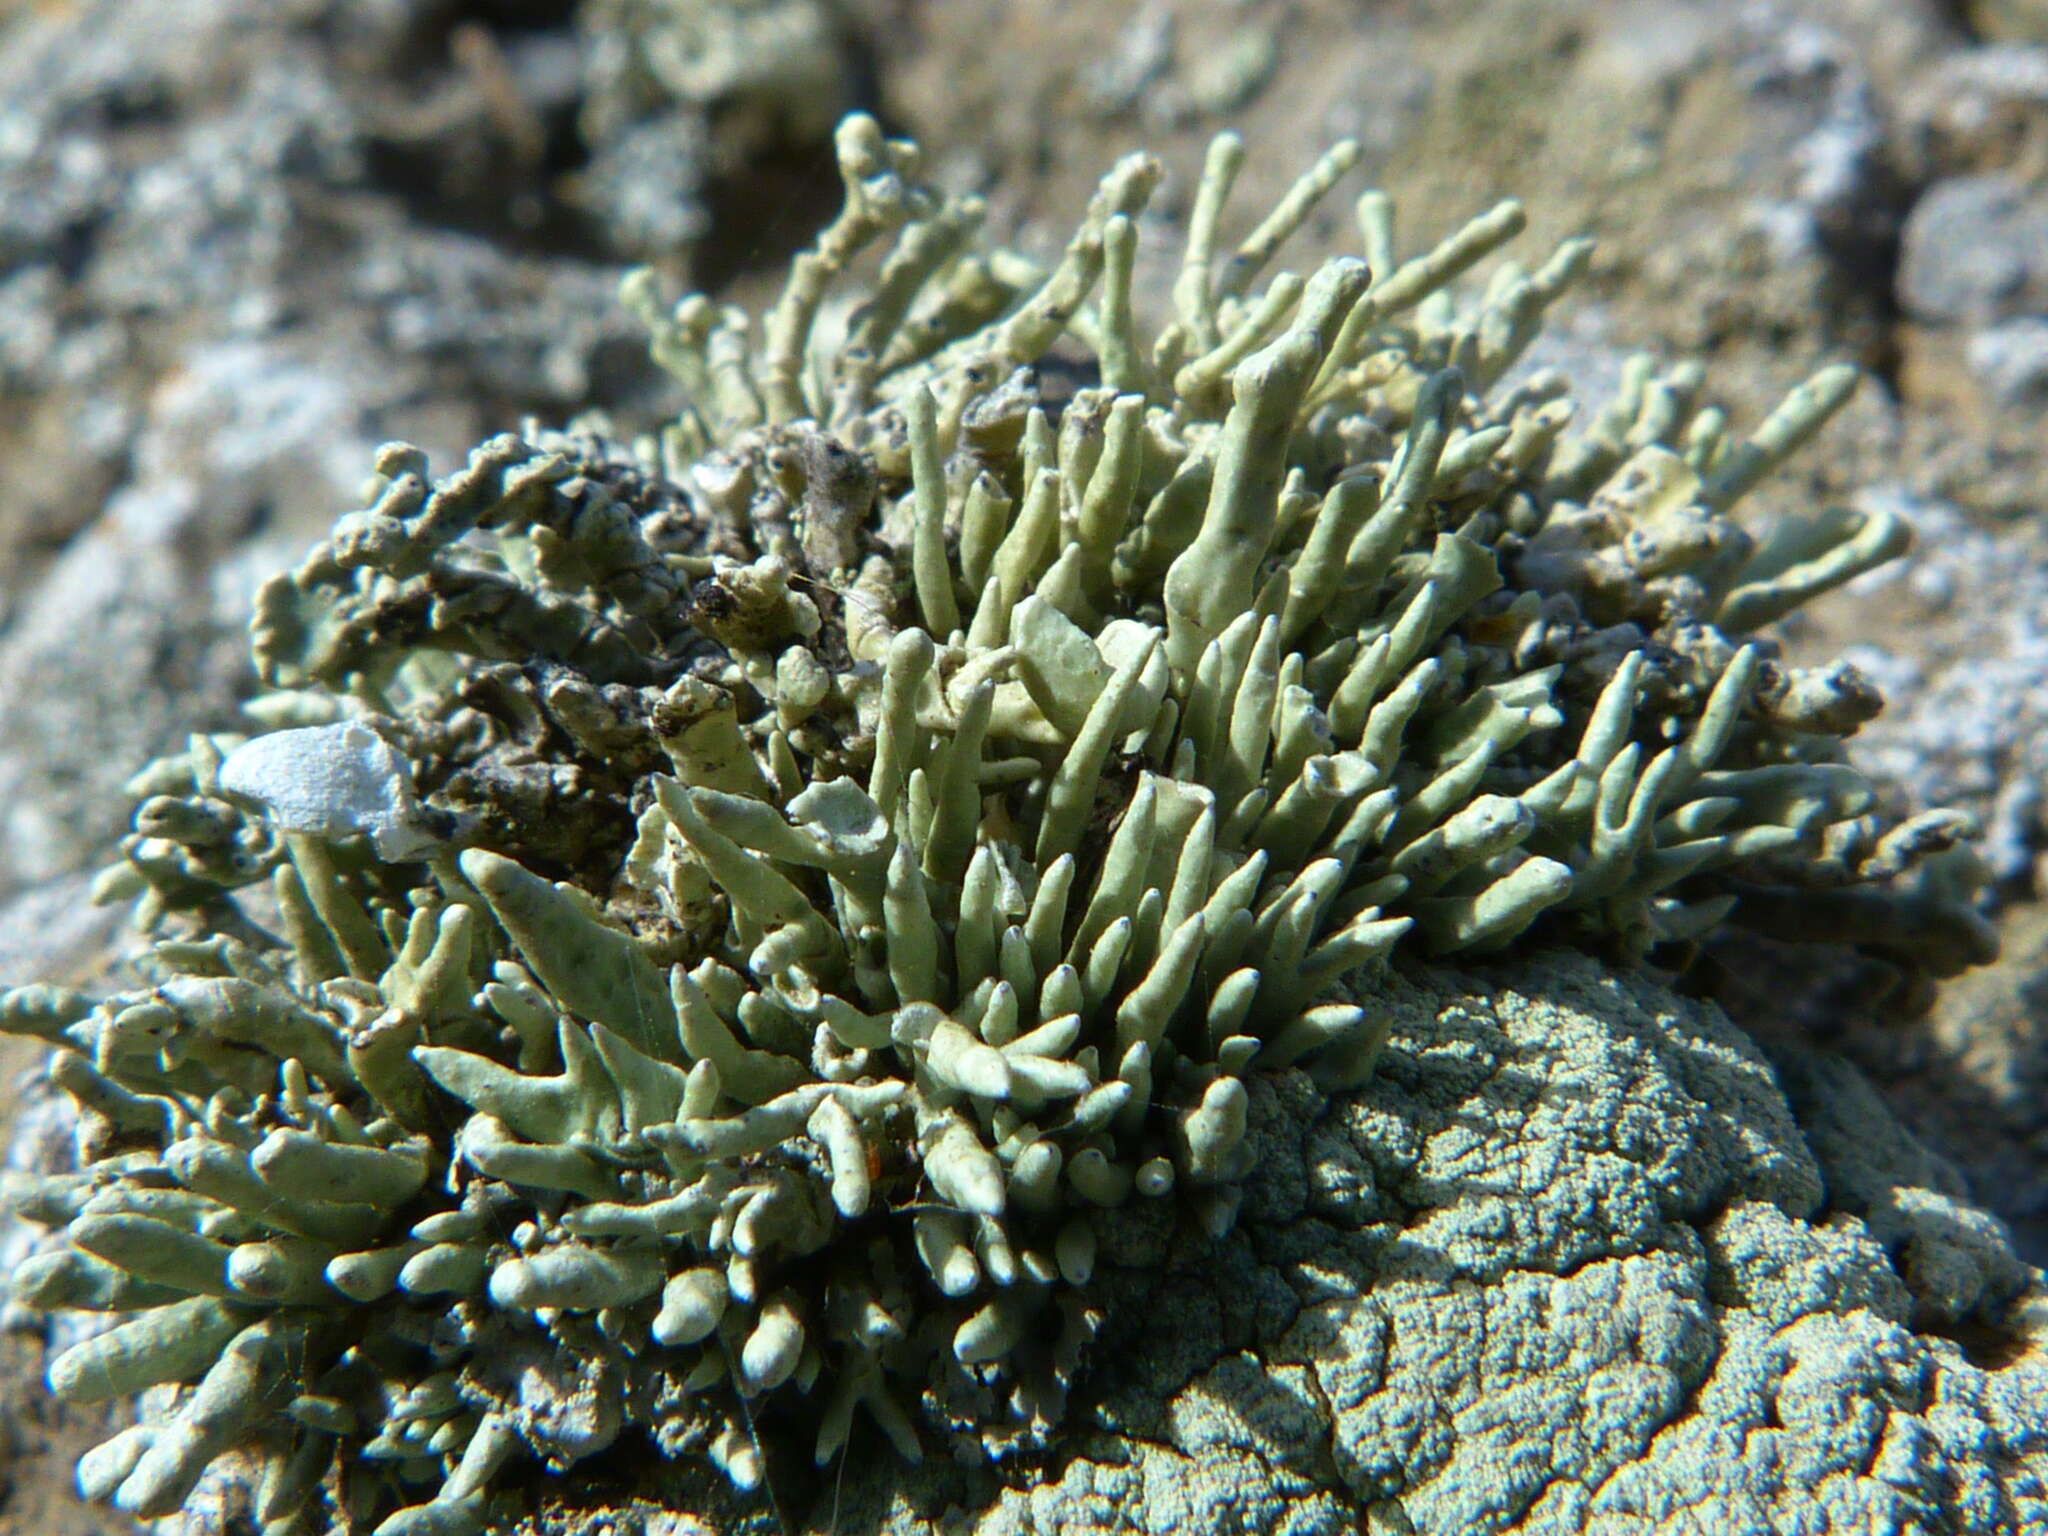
pixel 1975 250
pixel 1978 109
pixel 2011 359
pixel 2009 21
pixel 1971 356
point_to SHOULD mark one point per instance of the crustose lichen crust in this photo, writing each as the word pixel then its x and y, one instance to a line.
pixel 720 920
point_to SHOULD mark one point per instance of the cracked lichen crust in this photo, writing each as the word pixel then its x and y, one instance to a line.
pixel 1568 1266
pixel 731 929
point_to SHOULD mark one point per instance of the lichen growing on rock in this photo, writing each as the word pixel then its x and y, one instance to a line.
pixel 721 921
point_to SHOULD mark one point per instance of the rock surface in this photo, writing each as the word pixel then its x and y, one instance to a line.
pixel 1975 250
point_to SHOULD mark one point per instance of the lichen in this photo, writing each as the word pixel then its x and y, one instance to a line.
pixel 722 920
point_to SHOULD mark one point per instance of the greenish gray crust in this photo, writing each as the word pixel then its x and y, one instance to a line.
pixel 729 924
pixel 1569 1265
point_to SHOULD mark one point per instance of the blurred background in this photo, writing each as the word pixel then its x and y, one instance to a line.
pixel 244 241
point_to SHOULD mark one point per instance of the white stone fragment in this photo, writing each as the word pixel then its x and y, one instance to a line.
pixel 333 781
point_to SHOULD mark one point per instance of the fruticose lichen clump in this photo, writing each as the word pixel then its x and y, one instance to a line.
pixel 720 921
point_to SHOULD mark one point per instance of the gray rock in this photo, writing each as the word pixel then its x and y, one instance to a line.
pixel 1978 109
pixel 1975 250
pixel 2012 359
